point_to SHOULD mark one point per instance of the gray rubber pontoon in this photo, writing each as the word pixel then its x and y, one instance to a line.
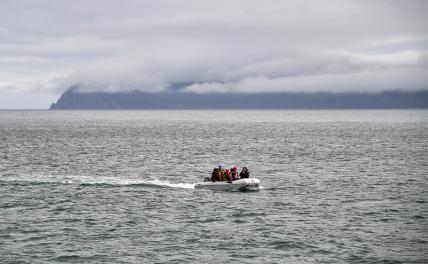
pixel 238 185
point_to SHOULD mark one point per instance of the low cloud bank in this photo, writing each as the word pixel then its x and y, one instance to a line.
pixel 327 73
pixel 369 82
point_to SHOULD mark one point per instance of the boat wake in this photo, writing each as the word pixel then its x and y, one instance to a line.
pixel 88 181
pixel 160 183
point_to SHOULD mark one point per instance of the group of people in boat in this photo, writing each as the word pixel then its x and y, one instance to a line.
pixel 220 174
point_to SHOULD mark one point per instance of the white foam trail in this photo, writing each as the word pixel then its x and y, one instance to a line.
pixel 119 181
pixel 82 179
pixel 172 185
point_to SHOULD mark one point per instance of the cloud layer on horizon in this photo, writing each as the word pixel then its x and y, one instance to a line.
pixel 221 46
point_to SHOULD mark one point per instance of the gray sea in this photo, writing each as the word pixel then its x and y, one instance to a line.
pixel 117 187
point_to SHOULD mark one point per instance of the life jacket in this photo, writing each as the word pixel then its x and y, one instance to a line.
pixel 227 176
pixel 221 172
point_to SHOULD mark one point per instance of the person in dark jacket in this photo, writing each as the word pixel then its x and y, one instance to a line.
pixel 244 173
pixel 215 175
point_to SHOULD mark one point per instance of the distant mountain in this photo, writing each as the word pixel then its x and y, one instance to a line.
pixel 72 99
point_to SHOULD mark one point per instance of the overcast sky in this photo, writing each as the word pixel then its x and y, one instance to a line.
pixel 218 46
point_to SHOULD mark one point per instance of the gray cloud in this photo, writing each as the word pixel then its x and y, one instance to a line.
pixel 246 46
pixel 368 81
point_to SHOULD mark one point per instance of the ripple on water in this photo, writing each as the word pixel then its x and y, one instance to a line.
pixel 117 187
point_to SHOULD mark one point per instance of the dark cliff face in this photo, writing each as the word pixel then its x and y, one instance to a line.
pixel 179 100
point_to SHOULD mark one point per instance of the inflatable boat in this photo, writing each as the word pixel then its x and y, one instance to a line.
pixel 248 184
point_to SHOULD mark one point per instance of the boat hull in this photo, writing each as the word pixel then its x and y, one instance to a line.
pixel 238 185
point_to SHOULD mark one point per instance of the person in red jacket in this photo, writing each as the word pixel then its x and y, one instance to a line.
pixel 234 174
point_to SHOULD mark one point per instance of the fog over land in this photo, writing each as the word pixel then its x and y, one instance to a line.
pixel 213 46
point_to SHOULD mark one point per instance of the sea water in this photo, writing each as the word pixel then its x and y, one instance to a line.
pixel 117 187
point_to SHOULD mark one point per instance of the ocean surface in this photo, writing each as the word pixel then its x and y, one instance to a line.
pixel 117 187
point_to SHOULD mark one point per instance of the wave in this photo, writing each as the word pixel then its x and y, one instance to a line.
pixel 86 180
